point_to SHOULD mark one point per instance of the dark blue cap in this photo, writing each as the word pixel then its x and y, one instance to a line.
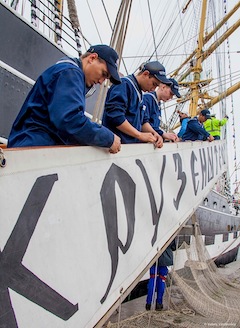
pixel 206 113
pixel 111 58
pixel 175 88
pixel 157 70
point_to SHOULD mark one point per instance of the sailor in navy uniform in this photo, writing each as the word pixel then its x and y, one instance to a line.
pixel 158 276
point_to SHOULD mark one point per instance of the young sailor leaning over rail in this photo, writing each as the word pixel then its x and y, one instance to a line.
pixel 124 110
pixel 152 102
pixel 53 112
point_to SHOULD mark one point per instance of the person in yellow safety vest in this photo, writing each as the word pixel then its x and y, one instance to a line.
pixel 213 126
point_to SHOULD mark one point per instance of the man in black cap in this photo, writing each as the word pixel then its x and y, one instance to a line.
pixel 124 110
pixel 195 129
pixel 53 112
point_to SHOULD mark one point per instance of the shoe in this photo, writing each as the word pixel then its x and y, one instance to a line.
pixel 148 307
pixel 159 307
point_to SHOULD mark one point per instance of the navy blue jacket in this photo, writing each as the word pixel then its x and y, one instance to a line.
pixel 166 259
pixel 53 112
pixel 195 131
pixel 153 110
pixel 124 102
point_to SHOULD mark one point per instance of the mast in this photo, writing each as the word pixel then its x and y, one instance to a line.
pixel 197 57
pixel 206 39
pixel 196 65
pixel 222 95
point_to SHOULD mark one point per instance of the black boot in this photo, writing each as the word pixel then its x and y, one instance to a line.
pixel 148 307
pixel 159 307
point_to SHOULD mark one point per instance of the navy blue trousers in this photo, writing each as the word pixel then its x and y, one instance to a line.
pixel 157 282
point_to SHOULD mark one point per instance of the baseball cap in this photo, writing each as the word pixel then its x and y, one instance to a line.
pixel 206 113
pixel 111 58
pixel 183 112
pixel 157 70
pixel 175 88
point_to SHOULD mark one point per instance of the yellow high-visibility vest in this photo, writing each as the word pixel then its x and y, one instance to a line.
pixel 213 125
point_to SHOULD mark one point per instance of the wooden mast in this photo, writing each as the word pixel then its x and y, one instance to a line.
pixel 196 65
pixel 198 56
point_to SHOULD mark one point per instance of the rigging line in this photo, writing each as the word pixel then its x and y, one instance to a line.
pixel 192 34
pixel 112 29
pixel 107 15
pixel 232 107
pixel 52 21
pixel 145 43
pixel 218 59
pixel 94 21
pixel 177 35
pixel 132 62
pixel 188 41
pixel 124 37
pixel 50 11
pixel 120 27
pixel 168 30
pixel 137 63
pixel 181 25
pixel 172 55
pixel 151 22
pixel 161 40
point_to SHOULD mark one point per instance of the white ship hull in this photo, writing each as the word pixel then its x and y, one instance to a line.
pixel 79 226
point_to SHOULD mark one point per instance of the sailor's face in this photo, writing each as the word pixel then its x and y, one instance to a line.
pixel 150 83
pixel 96 72
pixel 202 118
pixel 166 93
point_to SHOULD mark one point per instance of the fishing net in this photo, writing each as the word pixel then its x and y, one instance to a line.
pixel 199 295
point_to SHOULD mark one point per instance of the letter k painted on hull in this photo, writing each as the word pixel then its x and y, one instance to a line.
pixel 14 275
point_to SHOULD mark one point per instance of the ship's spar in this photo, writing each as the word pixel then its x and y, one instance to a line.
pixel 196 58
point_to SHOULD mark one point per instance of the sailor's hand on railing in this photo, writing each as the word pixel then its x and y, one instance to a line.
pixel 116 146
pixel 147 137
pixel 159 141
pixel 170 136
pixel 210 138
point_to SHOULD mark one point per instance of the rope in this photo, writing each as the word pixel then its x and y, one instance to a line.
pixel 75 23
pixel 94 21
pixel 232 107
pixel 154 41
